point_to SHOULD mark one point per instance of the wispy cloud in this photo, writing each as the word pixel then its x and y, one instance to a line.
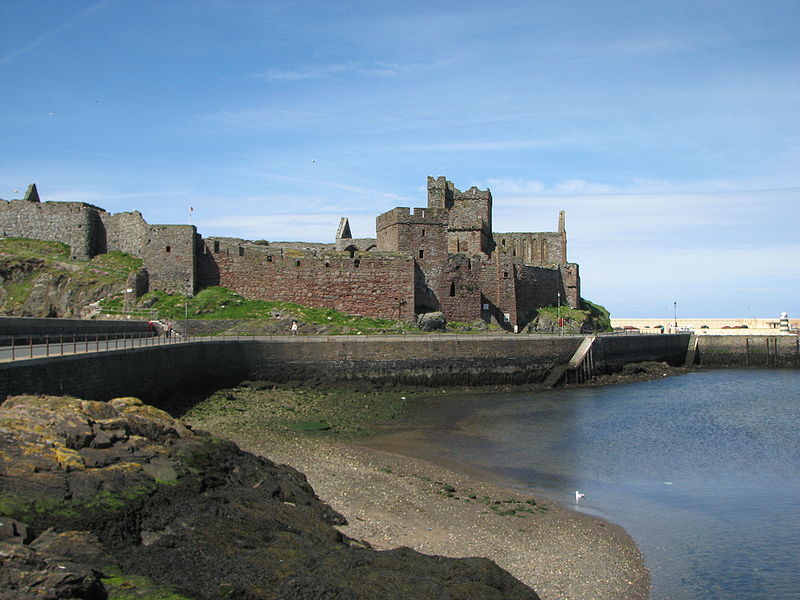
pixel 104 198
pixel 319 227
pixel 47 35
pixel 326 71
pixel 263 118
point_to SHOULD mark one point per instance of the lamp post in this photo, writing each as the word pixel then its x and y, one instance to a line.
pixel 558 312
pixel 675 313
pixel 186 303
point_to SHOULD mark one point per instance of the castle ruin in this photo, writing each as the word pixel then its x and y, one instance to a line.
pixel 443 257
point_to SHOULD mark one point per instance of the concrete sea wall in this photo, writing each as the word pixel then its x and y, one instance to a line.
pixel 767 351
pixel 39 328
pixel 153 372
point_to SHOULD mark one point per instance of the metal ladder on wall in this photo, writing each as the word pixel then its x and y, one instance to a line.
pixel 579 368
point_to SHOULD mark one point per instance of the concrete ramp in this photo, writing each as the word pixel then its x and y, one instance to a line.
pixel 691 351
pixel 558 372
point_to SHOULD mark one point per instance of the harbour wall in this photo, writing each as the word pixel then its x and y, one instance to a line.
pixel 155 372
pixel 40 328
pixel 766 351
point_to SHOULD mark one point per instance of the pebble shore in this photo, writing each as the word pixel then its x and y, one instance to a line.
pixel 392 500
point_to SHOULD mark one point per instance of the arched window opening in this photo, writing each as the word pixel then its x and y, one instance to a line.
pixel 453 289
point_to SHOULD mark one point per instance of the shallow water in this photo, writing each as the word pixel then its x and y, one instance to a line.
pixel 703 470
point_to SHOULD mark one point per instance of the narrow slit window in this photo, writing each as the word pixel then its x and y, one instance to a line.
pixel 216 247
pixel 422 253
pixel 453 289
pixel 169 249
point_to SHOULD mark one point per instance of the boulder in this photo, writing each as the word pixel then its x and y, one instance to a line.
pixel 432 321
pixel 123 486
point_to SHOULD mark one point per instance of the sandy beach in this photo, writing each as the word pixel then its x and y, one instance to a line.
pixel 391 500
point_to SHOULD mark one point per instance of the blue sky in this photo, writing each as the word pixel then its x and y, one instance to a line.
pixel 668 130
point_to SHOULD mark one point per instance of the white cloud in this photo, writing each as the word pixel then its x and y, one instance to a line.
pixel 325 71
pixel 286 227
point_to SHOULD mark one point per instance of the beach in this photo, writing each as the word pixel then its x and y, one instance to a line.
pixel 391 500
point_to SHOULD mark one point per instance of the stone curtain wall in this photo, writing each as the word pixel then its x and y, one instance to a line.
pixel 442 257
pixel 73 223
pixel 124 232
pixel 169 254
pixel 89 230
pixel 368 284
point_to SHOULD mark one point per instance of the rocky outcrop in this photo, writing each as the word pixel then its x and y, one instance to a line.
pixel 432 321
pixel 29 287
pixel 88 489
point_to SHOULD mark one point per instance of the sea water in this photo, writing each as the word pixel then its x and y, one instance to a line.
pixel 702 469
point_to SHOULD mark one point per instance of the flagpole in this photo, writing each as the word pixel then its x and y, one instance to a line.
pixel 191 209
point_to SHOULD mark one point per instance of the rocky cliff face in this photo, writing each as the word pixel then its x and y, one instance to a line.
pixel 31 290
pixel 38 279
pixel 92 490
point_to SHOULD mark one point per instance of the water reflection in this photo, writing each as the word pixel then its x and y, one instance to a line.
pixel 703 470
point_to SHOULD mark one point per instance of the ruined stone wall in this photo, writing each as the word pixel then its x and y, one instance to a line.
pixel 540 248
pixel 368 284
pixel 571 281
pixel 537 287
pixel 73 223
pixel 168 252
pixel 124 232
pixel 459 288
pixel 498 279
pixel 404 230
pixel 469 215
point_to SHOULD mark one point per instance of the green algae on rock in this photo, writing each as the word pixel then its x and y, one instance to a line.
pixel 190 512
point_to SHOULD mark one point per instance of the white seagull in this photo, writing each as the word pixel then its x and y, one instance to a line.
pixel 579 495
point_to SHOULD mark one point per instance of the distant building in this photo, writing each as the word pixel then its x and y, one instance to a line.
pixel 444 257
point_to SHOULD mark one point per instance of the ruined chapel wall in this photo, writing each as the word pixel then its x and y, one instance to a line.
pixel 73 223
pixel 377 286
pixel 539 248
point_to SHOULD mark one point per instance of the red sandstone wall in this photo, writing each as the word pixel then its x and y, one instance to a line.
pixel 374 286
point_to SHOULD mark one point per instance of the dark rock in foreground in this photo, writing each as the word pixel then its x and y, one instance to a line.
pixel 90 489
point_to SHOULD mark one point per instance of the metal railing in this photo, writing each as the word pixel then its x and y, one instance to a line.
pixel 30 347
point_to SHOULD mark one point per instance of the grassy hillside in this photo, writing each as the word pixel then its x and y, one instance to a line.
pixel 38 279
